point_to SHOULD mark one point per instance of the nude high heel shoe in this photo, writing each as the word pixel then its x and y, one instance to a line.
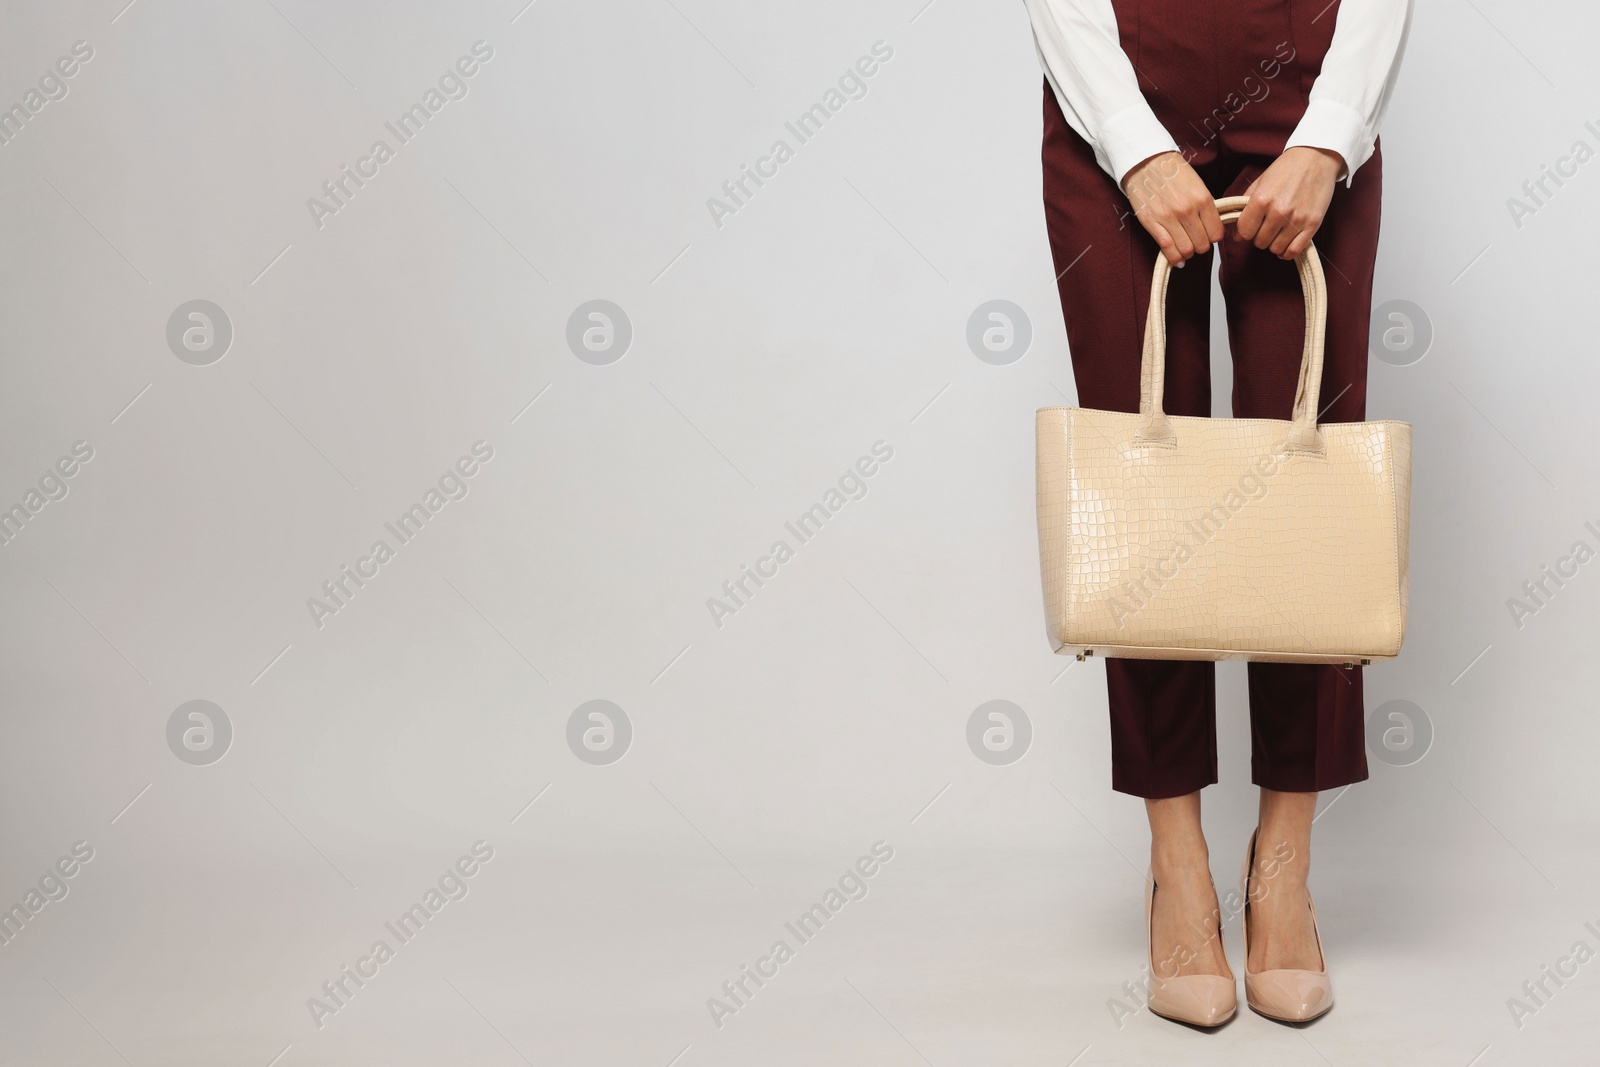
pixel 1196 999
pixel 1287 995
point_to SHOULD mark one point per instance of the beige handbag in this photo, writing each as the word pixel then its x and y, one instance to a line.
pixel 1170 537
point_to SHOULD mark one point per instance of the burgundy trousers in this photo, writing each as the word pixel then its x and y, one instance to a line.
pixel 1229 80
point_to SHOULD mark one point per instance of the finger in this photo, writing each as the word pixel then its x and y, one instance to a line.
pixel 1181 241
pixel 1303 238
pixel 1286 236
pixel 1250 220
pixel 1271 226
pixel 1298 245
pixel 1164 241
pixel 1238 224
pixel 1211 219
pixel 1195 229
pixel 1182 244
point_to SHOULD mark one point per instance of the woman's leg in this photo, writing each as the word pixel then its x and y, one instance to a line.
pixel 1307 722
pixel 1281 933
pixel 1184 936
pixel 1163 714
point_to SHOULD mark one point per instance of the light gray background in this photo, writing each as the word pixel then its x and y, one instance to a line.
pixel 829 713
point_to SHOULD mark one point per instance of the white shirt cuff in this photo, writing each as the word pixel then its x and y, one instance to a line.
pixel 1130 137
pixel 1337 128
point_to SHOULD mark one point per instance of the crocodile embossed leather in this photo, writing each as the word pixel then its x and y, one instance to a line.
pixel 1171 537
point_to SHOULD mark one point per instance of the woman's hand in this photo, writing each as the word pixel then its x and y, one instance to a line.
pixel 1289 200
pixel 1175 206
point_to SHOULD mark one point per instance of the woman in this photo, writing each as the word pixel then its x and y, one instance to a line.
pixel 1152 108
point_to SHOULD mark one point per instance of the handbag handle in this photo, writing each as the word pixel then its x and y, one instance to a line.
pixel 1154 428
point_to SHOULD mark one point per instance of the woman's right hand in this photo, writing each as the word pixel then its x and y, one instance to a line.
pixel 1174 205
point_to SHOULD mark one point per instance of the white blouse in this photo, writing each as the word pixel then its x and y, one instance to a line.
pixel 1095 83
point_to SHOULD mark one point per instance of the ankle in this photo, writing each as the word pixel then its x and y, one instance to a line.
pixel 1185 865
pixel 1280 861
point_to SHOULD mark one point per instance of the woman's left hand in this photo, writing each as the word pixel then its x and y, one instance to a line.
pixel 1289 200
